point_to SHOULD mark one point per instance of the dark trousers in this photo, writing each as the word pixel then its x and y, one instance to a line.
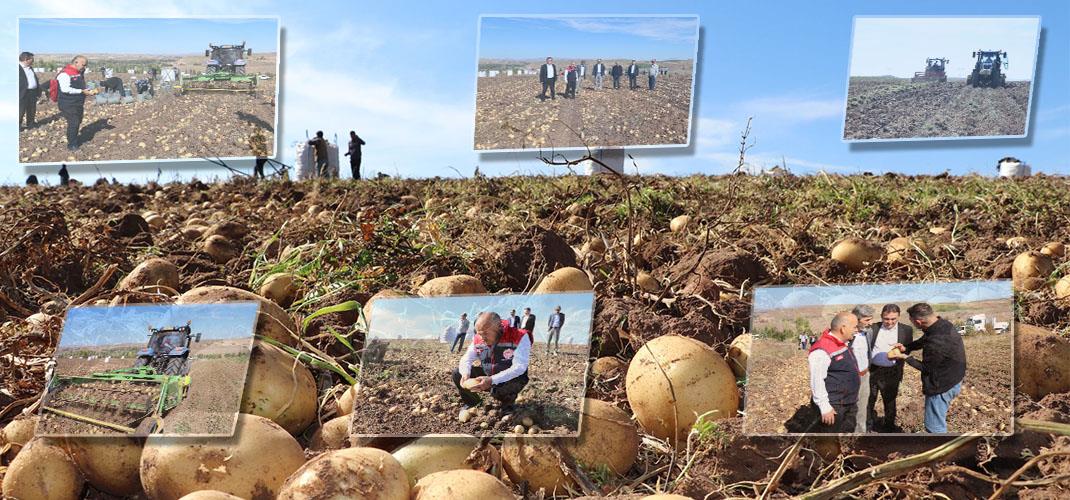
pixel 570 89
pixel 883 380
pixel 651 80
pixel 323 168
pixel 551 84
pixel 258 168
pixel 616 81
pixel 354 165
pixel 845 419
pixel 28 108
pixel 459 341
pixel 504 393
pixel 631 81
pixel 73 115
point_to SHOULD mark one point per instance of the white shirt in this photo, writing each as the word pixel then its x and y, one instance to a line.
pixel 819 362
pixel 64 81
pixel 859 347
pixel 519 366
pixel 31 79
pixel 886 338
pixel 551 71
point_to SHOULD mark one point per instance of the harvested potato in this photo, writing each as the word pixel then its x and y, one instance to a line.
pixel 344 405
pixel 607 367
pixel 679 224
pixel 738 354
pixel 156 222
pixel 459 284
pixel 210 495
pixel 566 279
pixel 608 437
pixel 700 379
pixel 647 282
pixel 1016 241
pixel 452 484
pixel 279 288
pixel 434 453
pixel 904 249
pixel 1031 270
pixel 280 388
pixel 533 460
pixel 111 465
pixel 155 271
pixel 1062 287
pixel 230 230
pixel 253 463
pixel 855 253
pixel 272 321
pixel 332 435
pixel 220 249
pixel 1042 361
pixel 1054 249
pixel 367 473
pixel 18 432
pixel 42 471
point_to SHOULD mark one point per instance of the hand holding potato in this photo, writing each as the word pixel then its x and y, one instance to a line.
pixel 484 384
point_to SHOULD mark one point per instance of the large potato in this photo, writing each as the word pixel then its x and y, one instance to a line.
pixel 738 354
pixel 42 470
pixel 18 432
pixel 253 463
pixel 1054 249
pixel 1031 270
pixel 533 460
pixel 109 464
pixel 434 453
pixel 855 253
pixel 221 249
pixel 679 223
pixel 452 484
pixel 279 388
pixel 903 248
pixel 279 288
pixel 459 284
pixel 1062 287
pixel 272 321
pixel 566 279
pixel 344 405
pixel 231 230
pixel 608 437
pixel 209 495
pixel 1042 364
pixel 366 473
pixel 672 380
pixel 332 435
pixel 155 271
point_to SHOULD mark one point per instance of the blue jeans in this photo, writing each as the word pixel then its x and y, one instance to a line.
pixel 936 410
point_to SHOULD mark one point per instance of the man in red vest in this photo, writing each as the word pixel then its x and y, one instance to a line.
pixel 502 352
pixel 834 378
pixel 71 98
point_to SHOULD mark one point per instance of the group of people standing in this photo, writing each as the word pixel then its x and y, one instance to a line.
pixel 70 96
pixel 856 360
pixel 573 73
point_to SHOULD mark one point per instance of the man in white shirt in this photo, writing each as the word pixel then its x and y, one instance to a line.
pixel 599 74
pixel 834 376
pixel 633 74
pixel 71 99
pixel 548 78
pixel 652 74
pixel 860 348
pixel 885 374
pixel 29 90
pixel 503 353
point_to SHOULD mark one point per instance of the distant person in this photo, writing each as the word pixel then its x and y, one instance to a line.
pixel 548 78
pixel 514 320
pixel 64 176
pixel 319 150
pixel 29 91
pixel 633 75
pixel 259 148
pixel 834 376
pixel 462 330
pixel 803 341
pixel 582 68
pixel 527 322
pixel 599 74
pixel 570 81
pixel 502 352
pixel 31 180
pixel 616 73
pixel 652 74
pixel 355 142
pixel 943 364
pixel 71 98
pixel 557 320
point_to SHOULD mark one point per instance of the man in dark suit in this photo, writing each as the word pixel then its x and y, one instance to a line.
pixel 527 322
pixel 29 90
pixel 633 74
pixel 885 374
pixel 548 78
pixel 514 320
pixel 616 73
pixel 599 74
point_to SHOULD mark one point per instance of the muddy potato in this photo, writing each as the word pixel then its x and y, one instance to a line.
pixel 1042 361
pixel 279 388
pixel 280 289
pixel 17 433
pixel 332 435
pixel 607 437
pixel 855 253
pixel 451 484
pixel 110 464
pixel 155 221
pixel 155 271
pixel 679 224
pixel 344 404
pixel 1016 241
pixel 459 284
pixel 607 367
pixel 1054 249
pixel 433 453
pixel 738 354
pixel 42 470
pixel 1062 287
pixel 230 230
pixel 566 279
pixel 272 321
pixel 701 380
pixel 903 249
pixel 595 245
pixel 193 232
pixel 647 282
pixel 210 495
pixel 367 473
pixel 220 249
pixel 533 460
pixel 1030 270
pixel 253 463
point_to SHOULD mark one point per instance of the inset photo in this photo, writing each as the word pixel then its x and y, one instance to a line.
pixel 137 89
pixel 485 365
pixel 578 81
pixel 915 78
pixel 171 370
pixel 899 358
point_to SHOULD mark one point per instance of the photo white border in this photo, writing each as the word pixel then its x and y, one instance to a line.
pixel 278 84
pixel 1032 80
pixel 593 147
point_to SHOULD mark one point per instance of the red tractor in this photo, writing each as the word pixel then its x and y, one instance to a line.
pixel 934 71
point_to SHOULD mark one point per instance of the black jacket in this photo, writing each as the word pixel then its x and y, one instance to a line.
pixel 542 73
pixel 617 70
pixel 633 70
pixel 529 325
pixel 906 336
pixel 600 69
pixel 943 362
pixel 24 84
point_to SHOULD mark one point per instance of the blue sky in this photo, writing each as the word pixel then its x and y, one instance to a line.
pixel 144 36
pixel 427 318
pixel 568 38
pixel 103 325
pixel 780 297
pixel 403 76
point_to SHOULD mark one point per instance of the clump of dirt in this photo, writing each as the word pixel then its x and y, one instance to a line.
pixel 517 262
pixel 735 267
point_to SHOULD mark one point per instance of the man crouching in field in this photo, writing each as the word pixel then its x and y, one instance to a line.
pixel 502 352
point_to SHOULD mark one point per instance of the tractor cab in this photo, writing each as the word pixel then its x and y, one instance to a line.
pixel 168 349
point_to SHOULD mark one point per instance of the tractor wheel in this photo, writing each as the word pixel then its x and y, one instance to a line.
pixel 174 366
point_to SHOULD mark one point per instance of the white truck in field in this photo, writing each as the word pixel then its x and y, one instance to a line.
pixel 977 323
pixel 1000 326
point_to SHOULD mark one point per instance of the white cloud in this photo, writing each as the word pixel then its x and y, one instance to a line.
pixel 792 109
pixel 674 29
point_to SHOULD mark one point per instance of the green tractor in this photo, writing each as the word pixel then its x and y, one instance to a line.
pixel 129 400
pixel 988 71
pixel 224 71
